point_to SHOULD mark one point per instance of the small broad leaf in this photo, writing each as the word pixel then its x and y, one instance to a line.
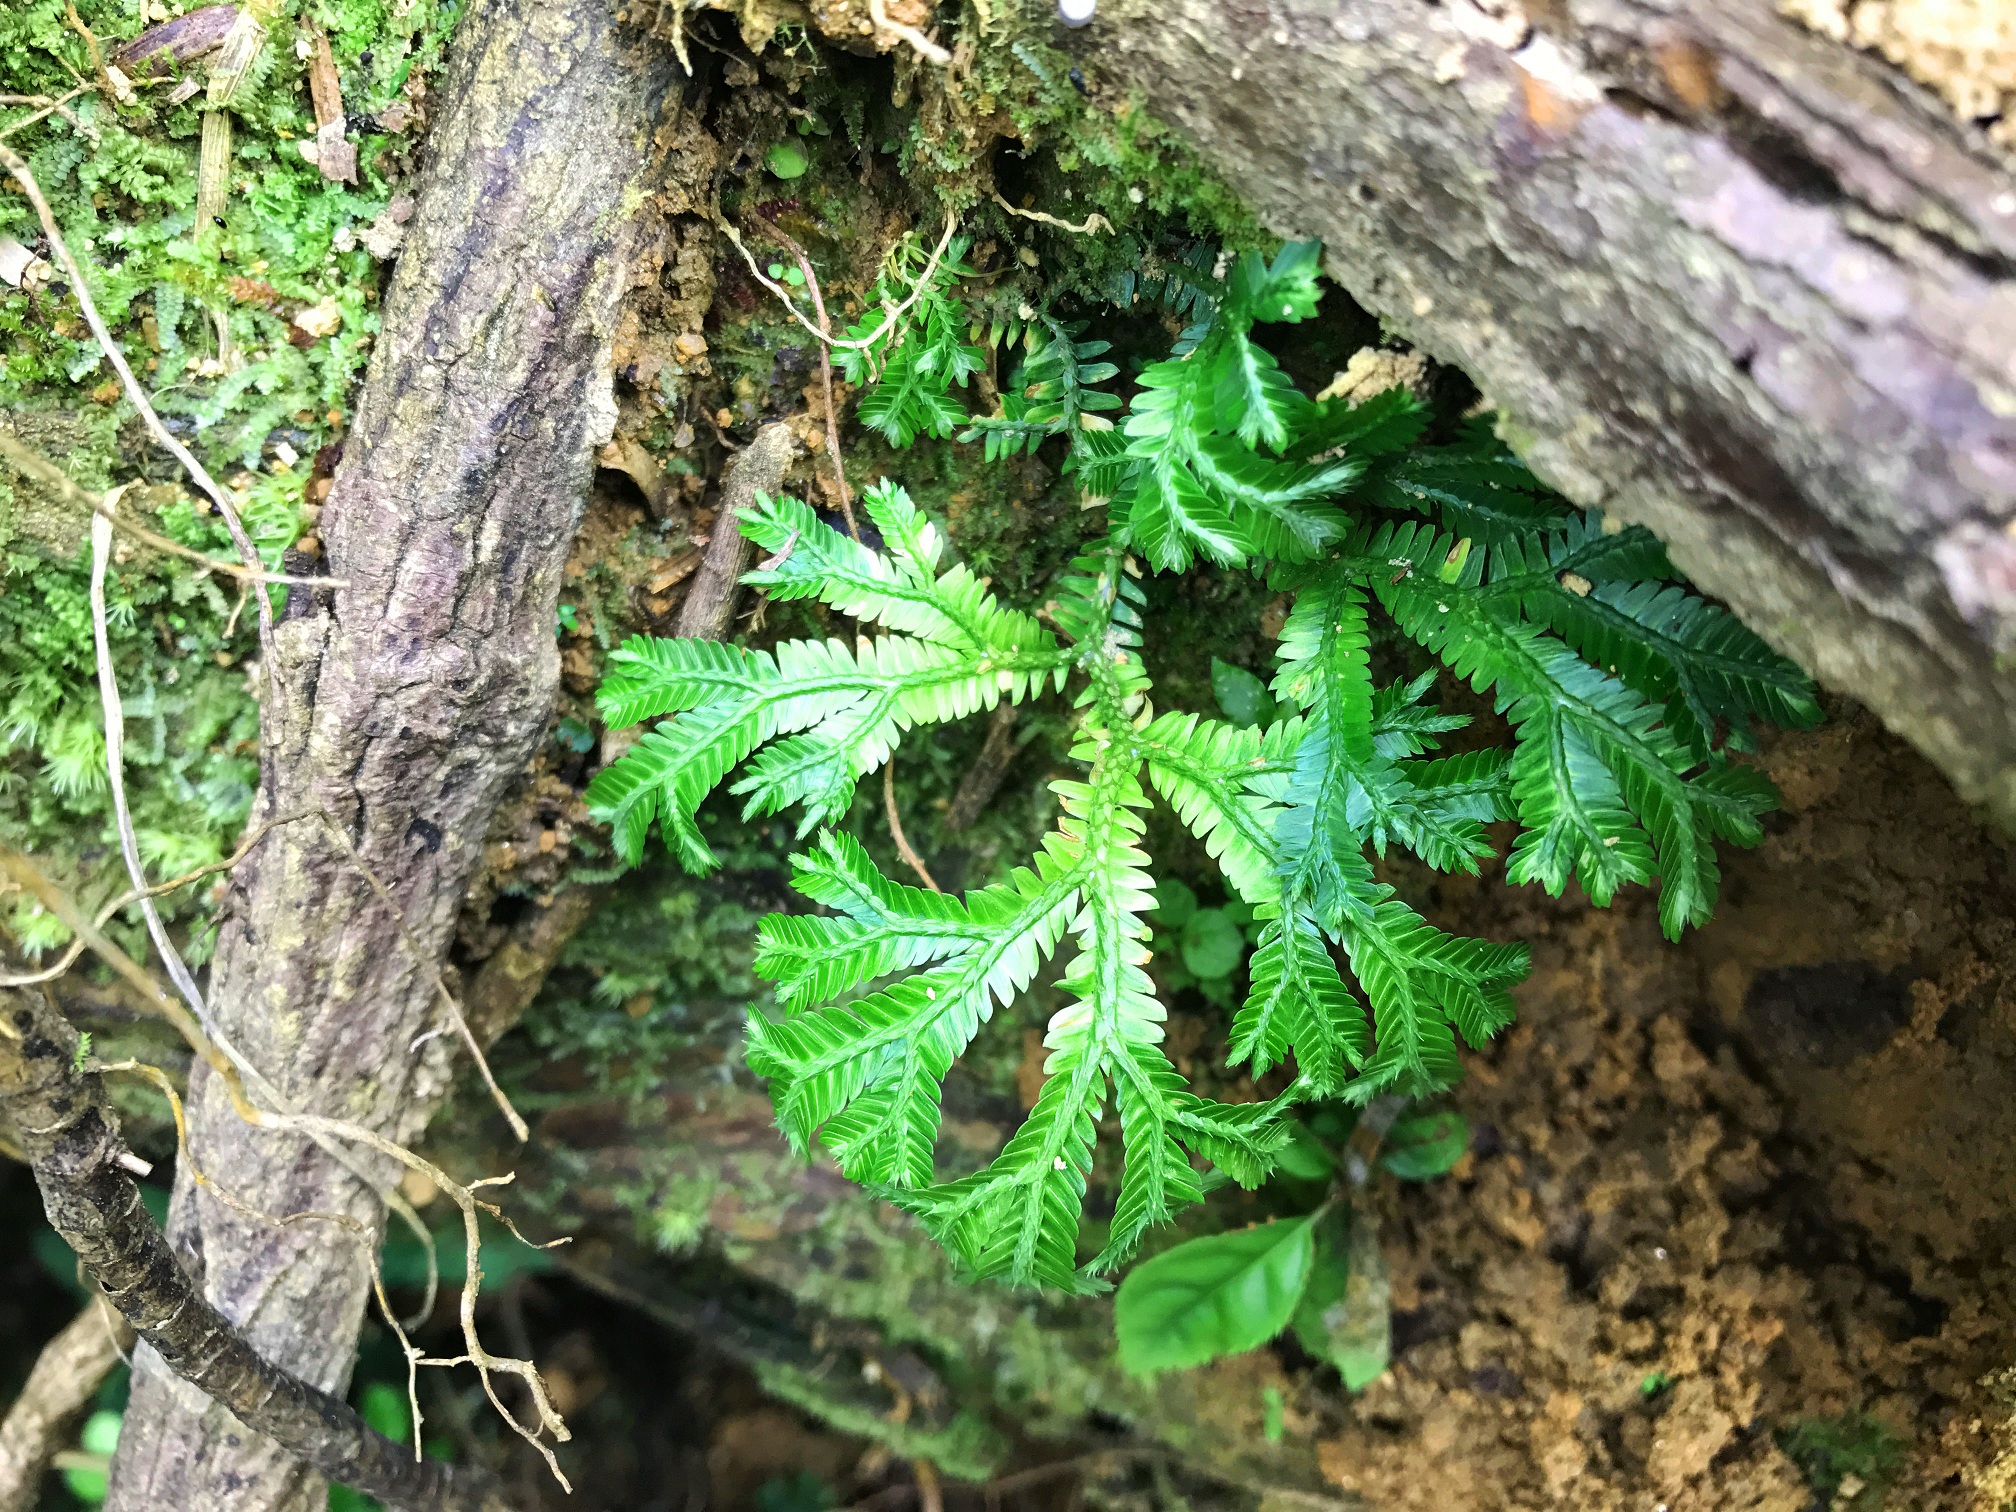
pixel 1213 945
pixel 1304 1157
pixel 1215 1296
pixel 1422 1146
pixel 787 160
pixel 1174 902
pixel 1242 696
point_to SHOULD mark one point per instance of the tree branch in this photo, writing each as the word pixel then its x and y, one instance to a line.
pixel 71 1138
pixel 67 1374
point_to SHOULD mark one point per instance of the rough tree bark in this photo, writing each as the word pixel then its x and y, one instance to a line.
pixel 405 708
pixel 1728 278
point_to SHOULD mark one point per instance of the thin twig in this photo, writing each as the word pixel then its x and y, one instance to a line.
pixel 1093 222
pixel 790 245
pixel 57 106
pixel 926 48
pixel 60 483
pixel 903 848
pixel 891 313
pixel 90 46
pixel 13 162
pixel 159 889
pixel 425 962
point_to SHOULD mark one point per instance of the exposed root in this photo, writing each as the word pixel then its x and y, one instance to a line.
pixel 1092 223
pixel 825 369
pixel 925 48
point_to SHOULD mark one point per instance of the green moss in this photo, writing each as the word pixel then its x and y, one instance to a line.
pixel 1856 1452
pixel 121 178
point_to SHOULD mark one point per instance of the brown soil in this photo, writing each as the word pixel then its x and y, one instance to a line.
pixel 1721 1188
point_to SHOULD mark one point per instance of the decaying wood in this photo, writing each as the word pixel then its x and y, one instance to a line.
pixel 67 1375
pixel 709 609
pixel 406 706
pixel 71 1138
pixel 1727 278
pixel 504 987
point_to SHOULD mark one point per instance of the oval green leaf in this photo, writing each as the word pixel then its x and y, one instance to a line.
pixel 1242 696
pixel 1174 902
pixel 787 159
pixel 1423 1146
pixel 1213 946
pixel 1304 1157
pixel 1214 1296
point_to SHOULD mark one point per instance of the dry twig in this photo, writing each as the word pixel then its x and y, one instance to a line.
pixel 58 482
pixel 903 846
pixel 825 367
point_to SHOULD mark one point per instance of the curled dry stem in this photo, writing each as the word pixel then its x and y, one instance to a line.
pixel 890 313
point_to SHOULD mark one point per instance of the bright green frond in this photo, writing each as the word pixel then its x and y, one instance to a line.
pixel 1298 1004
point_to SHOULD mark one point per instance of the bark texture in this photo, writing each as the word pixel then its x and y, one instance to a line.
pixel 67 1375
pixel 71 1138
pixel 709 610
pixel 1727 278
pixel 405 708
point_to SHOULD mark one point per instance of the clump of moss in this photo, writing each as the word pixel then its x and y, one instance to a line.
pixel 208 315
pixel 1849 1461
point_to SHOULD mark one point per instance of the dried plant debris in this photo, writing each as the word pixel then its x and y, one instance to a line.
pixel 1964 49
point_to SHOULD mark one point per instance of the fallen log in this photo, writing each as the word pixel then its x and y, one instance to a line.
pixel 1726 278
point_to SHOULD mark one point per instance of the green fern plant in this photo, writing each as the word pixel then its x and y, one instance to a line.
pixel 1621 689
